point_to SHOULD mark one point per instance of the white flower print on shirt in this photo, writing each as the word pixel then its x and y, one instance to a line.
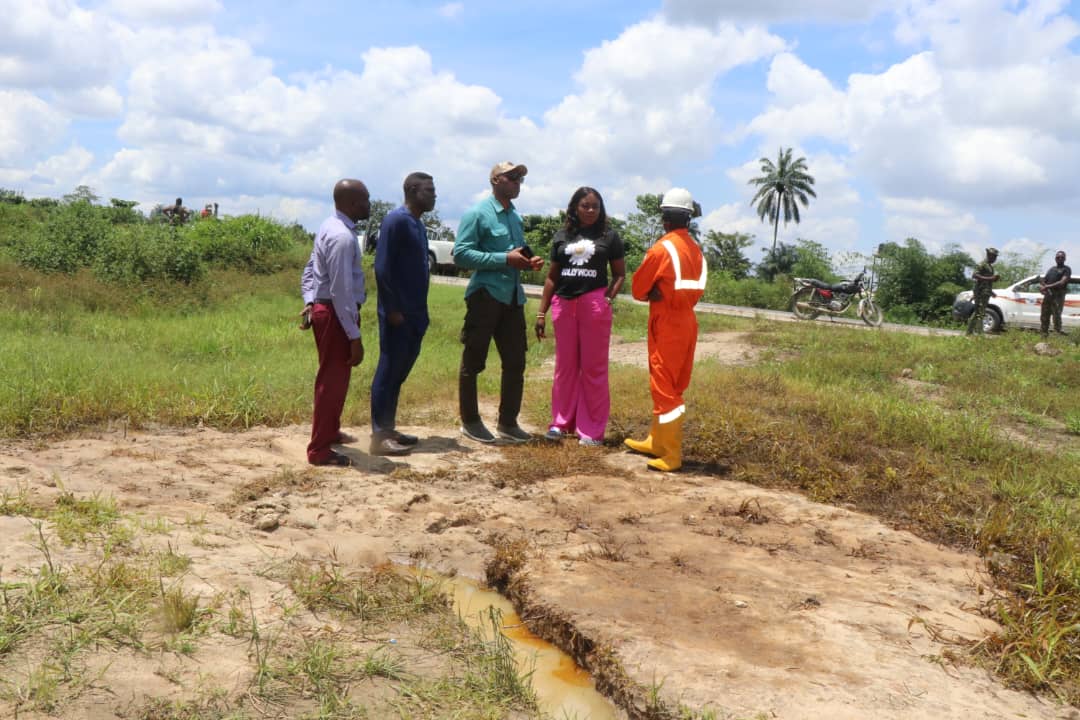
pixel 580 252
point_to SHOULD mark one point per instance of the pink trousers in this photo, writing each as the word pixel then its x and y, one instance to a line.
pixel 580 399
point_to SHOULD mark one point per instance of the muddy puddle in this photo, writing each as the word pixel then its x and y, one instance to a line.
pixel 563 689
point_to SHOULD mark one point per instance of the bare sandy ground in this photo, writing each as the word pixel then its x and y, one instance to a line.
pixel 737 598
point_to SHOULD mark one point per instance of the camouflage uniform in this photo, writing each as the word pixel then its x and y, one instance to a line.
pixel 981 297
pixel 1053 303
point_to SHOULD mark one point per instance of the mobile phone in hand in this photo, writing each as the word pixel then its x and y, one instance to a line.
pixel 527 252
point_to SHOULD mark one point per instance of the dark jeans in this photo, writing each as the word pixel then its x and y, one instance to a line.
pixel 485 319
pixel 398 349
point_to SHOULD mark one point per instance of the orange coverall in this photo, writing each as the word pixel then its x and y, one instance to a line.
pixel 676 267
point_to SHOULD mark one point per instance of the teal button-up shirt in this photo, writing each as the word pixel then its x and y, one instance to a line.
pixel 486 233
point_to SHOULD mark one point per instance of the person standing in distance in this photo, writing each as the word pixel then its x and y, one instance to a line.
pixel 1054 288
pixel 672 278
pixel 401 276
pixel 491 242
pixel 176 214
pixel 580 297
pixel 335 286
pixel 984 277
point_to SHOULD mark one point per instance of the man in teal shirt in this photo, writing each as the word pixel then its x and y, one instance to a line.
pixel 491 242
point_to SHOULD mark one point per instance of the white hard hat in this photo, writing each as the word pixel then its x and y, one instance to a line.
pixel 677 199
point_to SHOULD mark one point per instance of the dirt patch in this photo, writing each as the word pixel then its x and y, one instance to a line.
pixel 731 597
pixel 729 348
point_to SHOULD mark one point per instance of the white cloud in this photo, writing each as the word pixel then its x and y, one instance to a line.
pixel 28 127
pixel 53 176
pixel 989 34
pixel 710 12
pixel 452 10
pixel 935 223
pixel 260 135
pixel 638 109
pixel 96 102
pixel 65 171
pixel 56 44
pixel 805 104
pixel 169 12
pixel 939 123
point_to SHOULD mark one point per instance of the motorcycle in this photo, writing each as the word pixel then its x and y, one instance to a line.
pixel 811 298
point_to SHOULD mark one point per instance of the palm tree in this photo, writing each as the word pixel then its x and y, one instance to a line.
pixel 779 188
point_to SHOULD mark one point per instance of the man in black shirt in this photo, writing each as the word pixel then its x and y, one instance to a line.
pixel 1053 287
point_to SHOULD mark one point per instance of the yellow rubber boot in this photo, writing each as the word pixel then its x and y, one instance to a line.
pixel 671 438
pixel 648 446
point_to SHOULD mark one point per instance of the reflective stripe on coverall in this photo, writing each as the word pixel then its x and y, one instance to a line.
pixel 676 267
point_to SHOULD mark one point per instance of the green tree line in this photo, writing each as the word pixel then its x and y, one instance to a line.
pixel 121 245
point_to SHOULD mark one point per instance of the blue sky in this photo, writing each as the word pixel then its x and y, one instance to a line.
pixel 953 121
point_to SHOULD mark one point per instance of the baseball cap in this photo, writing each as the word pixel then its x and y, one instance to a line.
pixel 505 167
pixel 992 251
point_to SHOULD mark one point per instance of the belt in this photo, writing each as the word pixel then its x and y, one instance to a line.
pixel 328 301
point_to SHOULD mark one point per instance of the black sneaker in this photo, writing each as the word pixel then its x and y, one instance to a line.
pixel 513 433
pixel 476 431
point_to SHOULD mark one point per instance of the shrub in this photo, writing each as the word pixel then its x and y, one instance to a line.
pixel 247 242
pixel 15 222
pixel 11 197
pixel 748 292
pixel 68 240
pixel 136 253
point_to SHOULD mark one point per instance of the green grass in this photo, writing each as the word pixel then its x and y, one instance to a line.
pixel 71 358
pixel 823 412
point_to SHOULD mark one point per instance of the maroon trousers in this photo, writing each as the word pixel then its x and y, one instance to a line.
pixel 332 382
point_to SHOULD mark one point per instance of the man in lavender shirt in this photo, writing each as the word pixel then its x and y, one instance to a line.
pixel 333 283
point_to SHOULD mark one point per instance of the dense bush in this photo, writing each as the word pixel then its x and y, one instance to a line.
pixel 747 292
pixel 914 284
pixel 137 253
pixel 120 245
pixel 15 221
pixel 247 242
pixel 68 239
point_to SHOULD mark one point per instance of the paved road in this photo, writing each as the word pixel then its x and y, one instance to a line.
pixel 533 291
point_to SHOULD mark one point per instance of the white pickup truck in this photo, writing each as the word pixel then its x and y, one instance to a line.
pixel 1020 305
pixel 440 248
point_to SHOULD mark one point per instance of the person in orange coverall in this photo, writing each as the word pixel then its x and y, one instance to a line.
pixel 672 278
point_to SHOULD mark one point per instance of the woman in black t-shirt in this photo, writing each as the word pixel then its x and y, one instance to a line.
pixel 580 295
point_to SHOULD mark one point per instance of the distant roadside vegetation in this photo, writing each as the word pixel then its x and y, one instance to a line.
pixel 121 246
pixel 913 284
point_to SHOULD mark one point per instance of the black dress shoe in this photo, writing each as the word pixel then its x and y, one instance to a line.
pixel 334 459
pixel 388 446
pixel 406 439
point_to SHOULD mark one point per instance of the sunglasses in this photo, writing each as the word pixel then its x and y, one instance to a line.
pixel 515 177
